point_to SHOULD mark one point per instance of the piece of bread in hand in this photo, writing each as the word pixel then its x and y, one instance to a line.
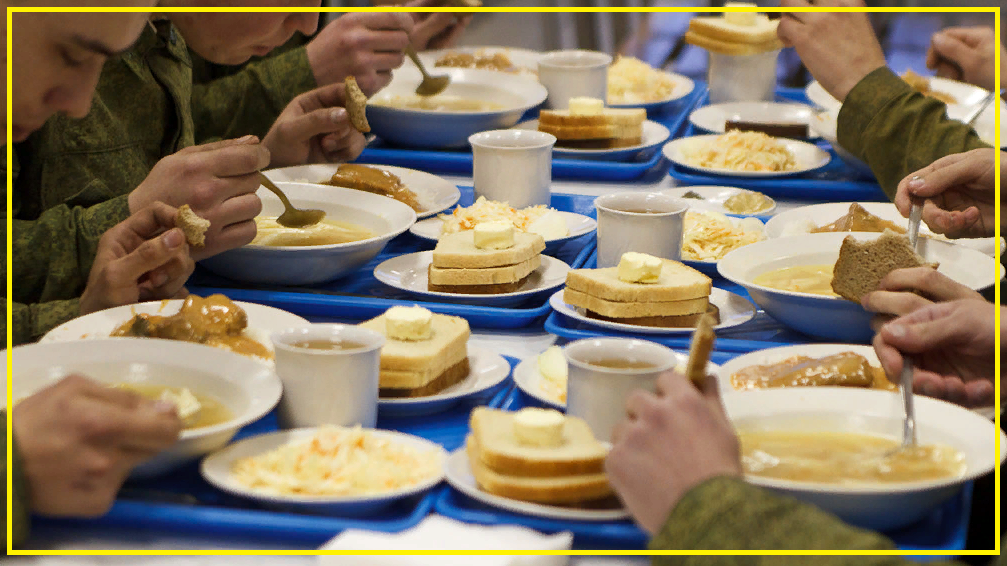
pixel 193 226
pixel 356 105
pixel 862 265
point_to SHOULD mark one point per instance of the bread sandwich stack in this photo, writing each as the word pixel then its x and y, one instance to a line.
pixel 587 124
pixel 643 290
pixel 538 455
pixel 490 259
pixel 734 33
pixel 862 265
pixel 424 353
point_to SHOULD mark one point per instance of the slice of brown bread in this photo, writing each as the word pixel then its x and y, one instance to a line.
pixel 862 265
pixel 193 226
pixel 356 105
pixel 634 309
pixel 459 250
pixel 611 143
pixel 678 282
pixel 684 321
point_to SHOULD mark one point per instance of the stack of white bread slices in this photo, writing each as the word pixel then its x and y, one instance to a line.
pixel 587 124
pixel 490 259
pixel 643 290
pixel 424 353
pixel 735 33
pixel 538 455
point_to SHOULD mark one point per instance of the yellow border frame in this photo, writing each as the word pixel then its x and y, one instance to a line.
pixel 10 551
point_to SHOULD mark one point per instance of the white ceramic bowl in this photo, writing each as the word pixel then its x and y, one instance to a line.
pixel 834 318
pixel 855 410
pixel 429 129
pixel 247 388
pixel 309 265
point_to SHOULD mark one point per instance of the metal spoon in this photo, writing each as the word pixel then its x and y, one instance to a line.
pixel 970 118
pixel 430 85
pixel 906 378
pixel 292 217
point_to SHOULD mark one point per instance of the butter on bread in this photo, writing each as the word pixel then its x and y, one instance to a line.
pixel 192 225
pixel 413 323
pixel 737 33
pixel 862 265
pixel 635 267
pixel 586 106
pixel 493 235
pixel 539 427
pixel 356 105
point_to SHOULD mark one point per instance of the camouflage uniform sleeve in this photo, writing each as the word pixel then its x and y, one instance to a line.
pixel 727 513
pixel 18 495
pixel 52 256
pixel 896 130
pixel 249 100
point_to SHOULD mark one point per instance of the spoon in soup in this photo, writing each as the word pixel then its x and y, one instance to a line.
pixel 906 377
pixel 430 85
pixel 292 217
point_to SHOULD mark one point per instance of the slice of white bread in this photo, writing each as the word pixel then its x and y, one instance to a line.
pixel 607 117
pixel 678 282
pixel 409 364
pixel 861 266
pixel 631 309
pixel 728 48
pixel 560 490
pixel 718 28
pixel 500 451
pixel 485 275
pixel 592 132
pixel 459 250
pixel 680 321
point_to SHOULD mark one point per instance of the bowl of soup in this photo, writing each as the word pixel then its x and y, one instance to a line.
pixel 356 227
pixel 791 279
pixel 836 447
pixel 475 101
pixel 217 391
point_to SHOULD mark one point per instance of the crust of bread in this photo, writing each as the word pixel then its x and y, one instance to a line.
pixel 193 226
pixel 600 144
pixel 486 276
pixel 684 321
pixel 634 309
pixel 861 266
pixel 356 105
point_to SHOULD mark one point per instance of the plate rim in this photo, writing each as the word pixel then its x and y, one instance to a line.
pixel 231 488
pixel 592 228
pixel 674 146
pixel 769 212
pixel 527 368
pixel 472 351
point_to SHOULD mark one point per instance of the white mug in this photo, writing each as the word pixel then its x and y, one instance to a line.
pixel 574 72
pixel 337 386
pixel 513 166
pixel 658 233
pixel 598 394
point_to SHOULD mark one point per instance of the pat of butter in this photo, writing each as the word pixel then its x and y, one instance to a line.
pixel 586 106
pixel 495 235
pixel 186 404
pixel 409 323
pixel 551 226
pixel 552 365
pixel 639 268
pixel 747 19
pixel 539 427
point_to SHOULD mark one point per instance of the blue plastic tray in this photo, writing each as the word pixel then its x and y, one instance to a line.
pixel 361 296
pixel 457 162
pixel 834 182
pixel 945 529
pixel 155 504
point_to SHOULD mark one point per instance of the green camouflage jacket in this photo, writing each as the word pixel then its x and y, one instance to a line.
pixel 19 496
pixel 896 130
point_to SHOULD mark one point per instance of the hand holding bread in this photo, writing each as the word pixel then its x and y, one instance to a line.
pixel 904 291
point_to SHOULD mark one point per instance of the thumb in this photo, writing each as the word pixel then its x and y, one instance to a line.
pixel 322 121
pixel 925 329
pixel 941 179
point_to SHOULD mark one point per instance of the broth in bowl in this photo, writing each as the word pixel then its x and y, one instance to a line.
pixel 327 232
pixel 439 103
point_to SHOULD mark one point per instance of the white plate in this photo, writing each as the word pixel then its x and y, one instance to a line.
pixel 800 220
pixel 409 273
pixel 833 318
pixel 459 476
pixel 525 61
pixel 435 194
pixel 714 198
pixel 529 380
pixel 486 370
pixel 262 321
pixel 683 87
pixel 870 411
pixel 714 118
pixel 809 157
pixel 734 311
pixel 216 469
pixel 576 224
pixel 654 135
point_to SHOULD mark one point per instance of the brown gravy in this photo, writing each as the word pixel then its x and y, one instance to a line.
pixel 845 369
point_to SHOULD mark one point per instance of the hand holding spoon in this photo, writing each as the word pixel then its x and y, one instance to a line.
pixel 906 378
pixel 430 85
pixel 292 217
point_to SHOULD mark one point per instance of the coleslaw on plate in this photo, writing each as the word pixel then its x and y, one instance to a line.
pixel 708 236
pixel 742 151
